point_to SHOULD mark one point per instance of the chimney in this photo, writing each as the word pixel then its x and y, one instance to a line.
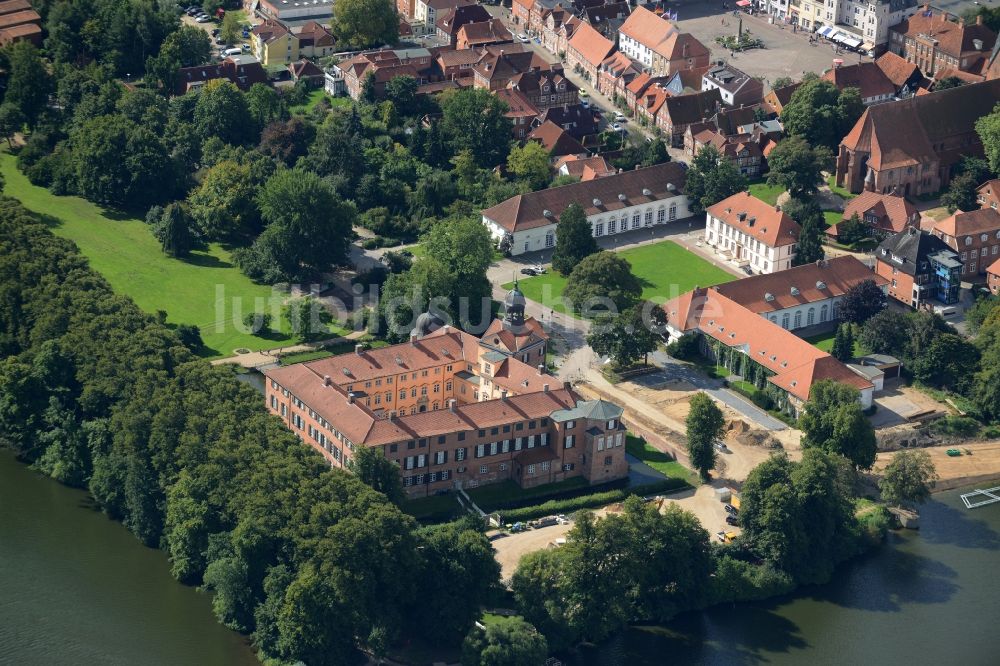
pixel 541 368
pixel 545 388
pixel 358 348
pixel 413 338
pixel 979 19
pixel 326 380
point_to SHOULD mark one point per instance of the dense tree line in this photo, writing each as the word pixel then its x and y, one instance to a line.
pixel 310 561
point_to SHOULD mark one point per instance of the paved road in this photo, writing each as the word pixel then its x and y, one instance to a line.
pixel 677 370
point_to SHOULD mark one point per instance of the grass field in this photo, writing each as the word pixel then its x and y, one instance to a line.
pixel 765 192
pixel 314 99
pixel 489 497
pixel 824 342
pixel 658 460
pixel 832 217
pixel 204 289
pixel 831 181
pixel 665 269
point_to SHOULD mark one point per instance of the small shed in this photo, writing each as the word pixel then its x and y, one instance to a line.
pixel 889 365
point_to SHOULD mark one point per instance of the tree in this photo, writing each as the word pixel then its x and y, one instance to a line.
pixel 820 113
pixel 466 247
pixel 374 469
pixel 948 82
pixel 712 178
pixel 224 206
pixel 843 343
pixel 949 362
pixel 364 23
pixel 885 333
pixel 475 119
pixel 504 642
pixel 625 338
pixel 426 286
pixel 287 141
pixel 120 162
pixel 11 121
pixel 704 422
pixel 402 92
pixel 602 282
pixel 908 478
pixel 810 218
pixel 574 239
pixel 308 228
pixel 307 318
pixel 797 166
pixel 961 194
pixel 862 302
pixel 833 421
pixel 222 111
pixel 988 129
pixel 229 31
pixel 174 232
pixel 264 104
pixel 257 322
pixel 29 82
pixel 530 162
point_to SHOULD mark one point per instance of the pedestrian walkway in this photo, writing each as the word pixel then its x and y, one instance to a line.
pixel 269 357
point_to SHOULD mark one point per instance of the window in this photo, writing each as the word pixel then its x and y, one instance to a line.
pixel 503 467
pixel 570 425
pixel 459 455
pixel 393 448
pixel 493 448
pixel 600 443
pixel 673 211
pixel 784 321
pixel 461 436
pixel 811 317
pixel 599 229
pixel 968 240
pixel 550 240
pixel 661 215
pixel 607 460
pixel 505 448
pixel 649 217
pixel 531 469
pixel 402 394
pixel 545 466
pixel 822 312
pixel 635 223
pixel 483 469
pixel 612 226
pixel 618 439
pixel 798 318
pixel 569 441
pixel 480 450
pixel 568 467
pixel 441 457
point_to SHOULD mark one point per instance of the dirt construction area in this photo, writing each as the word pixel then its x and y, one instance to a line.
pixel 979 462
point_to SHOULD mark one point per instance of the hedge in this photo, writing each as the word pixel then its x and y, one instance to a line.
pixel 593 500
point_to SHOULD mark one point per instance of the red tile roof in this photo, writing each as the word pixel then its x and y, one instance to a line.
pixel 639 186
pixel 896 68
pixel 800 285
pixel 586 168
pixel 796 363
pixel 982 220
pixel 895 213
pixel 994 268
pixel 867 77
pixel 949 37
pixel 758 219
pixel 592 46
pixel 556 140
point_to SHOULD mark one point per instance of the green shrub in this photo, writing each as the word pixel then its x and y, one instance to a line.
pixel 736 580
pixel 370 243
pixel 257 322
pixel 589 501
pixel 956 426
pixel 684 348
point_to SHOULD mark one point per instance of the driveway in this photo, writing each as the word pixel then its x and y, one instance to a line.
pixel 674 369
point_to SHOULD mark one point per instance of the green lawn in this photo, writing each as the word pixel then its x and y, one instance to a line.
pixel 665 269
pixel 831 181
pixel 824 342
pixel 658 460
pixel 765 192
pixel 314 98
pixel 490 497
pixel 204 289
pixel 303 357
pixel 832 217
pixel 433 508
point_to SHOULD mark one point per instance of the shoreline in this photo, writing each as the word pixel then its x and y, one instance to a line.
pixel 979 463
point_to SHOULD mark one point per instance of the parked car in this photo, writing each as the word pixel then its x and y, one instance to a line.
pixel 528 270
pixel 732 510
pixel 584 103
pixel 721 447
pixel 523 38
pixel 616 127
pixel 731 520
pixel 584 93
pixel 202 19
pixel 620 117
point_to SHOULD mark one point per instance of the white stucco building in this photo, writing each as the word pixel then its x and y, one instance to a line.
pixel 752 233
pixel 614 204
pixel 803 296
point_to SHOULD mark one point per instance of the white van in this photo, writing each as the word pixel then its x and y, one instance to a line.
pixel 232 51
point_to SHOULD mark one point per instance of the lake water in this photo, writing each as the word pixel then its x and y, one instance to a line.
pixel 77 588
pixel 926 597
